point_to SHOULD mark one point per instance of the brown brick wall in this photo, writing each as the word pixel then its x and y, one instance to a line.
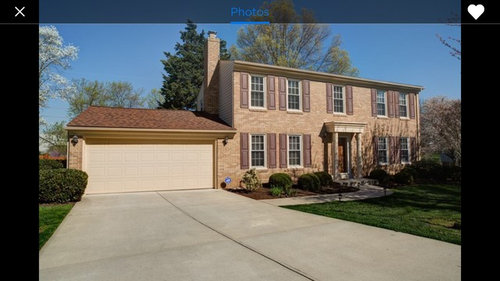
pixel 276 121
pixel 211 93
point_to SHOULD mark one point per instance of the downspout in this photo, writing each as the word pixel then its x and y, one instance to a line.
pixel 67 149
pixel 418 126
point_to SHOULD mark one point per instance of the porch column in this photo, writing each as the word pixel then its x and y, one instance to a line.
pixel 335 156
pixel 359 160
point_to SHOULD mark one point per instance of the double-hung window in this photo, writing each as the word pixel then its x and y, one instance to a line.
pixel 257 96
pixel 404 150
pixel 294 150
pixel 257 151
pixel 403 105
pixel 381 103
pixel 338 99
pixel 294 95
pixel 382 152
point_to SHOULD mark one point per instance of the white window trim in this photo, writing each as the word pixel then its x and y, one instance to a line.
pixel 407 107
pixel 386 152
pixel 264 83
pixel 301 151
pixel 250 151
pixel 300 96
pixel 409 151
pixel 344 98
pixel 385 104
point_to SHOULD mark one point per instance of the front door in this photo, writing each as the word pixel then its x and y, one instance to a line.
pixel 342 150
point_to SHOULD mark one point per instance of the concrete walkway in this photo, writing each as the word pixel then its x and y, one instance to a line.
pixel 365 192
pixel 217 235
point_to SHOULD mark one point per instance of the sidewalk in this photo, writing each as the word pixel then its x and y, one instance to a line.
pixel 365 192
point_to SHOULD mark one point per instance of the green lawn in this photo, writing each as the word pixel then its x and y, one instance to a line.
pixel 425 210
pixel 50 216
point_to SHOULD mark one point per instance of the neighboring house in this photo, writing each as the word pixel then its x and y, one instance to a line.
pixel 250 115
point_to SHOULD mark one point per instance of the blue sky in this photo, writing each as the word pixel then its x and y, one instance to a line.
pixel 405 53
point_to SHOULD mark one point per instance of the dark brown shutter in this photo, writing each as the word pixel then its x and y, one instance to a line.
pixel 329 98
pixel 375 150
pixel 374 102
pixel 390 105
pixel 306 96
pixel 283 158
pixel 396 104
pixel 413 149
pixel 282 92
pixel 271 150
pixel 391 150
pixel 394 150
pixel 412 105
pixel 244 90
pixel 307 150
pixel 244 150
pixel 271 93
pixel 349 105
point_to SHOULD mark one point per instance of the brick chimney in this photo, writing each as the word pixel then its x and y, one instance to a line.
pixel 211 69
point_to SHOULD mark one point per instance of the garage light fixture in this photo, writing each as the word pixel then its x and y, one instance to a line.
pixel 74 140
pixel 224 142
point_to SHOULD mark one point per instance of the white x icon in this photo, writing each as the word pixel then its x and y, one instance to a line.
pixel 19 12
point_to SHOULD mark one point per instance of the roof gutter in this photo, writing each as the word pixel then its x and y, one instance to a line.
pixel 323 76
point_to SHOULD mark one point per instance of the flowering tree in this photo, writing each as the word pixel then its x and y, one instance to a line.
pixel 441 127
pixel 53 57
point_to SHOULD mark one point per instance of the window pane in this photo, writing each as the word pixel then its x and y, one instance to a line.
pixel 294 150
pixel 402 105
pixel 382 150
pixel 380 102
pixel 338 99
pixel 293 94
pixel 404 151
pixel 257 91
pixel 257 150
pixel 293 102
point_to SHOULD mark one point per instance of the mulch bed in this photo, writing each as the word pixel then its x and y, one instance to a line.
pixel 265 193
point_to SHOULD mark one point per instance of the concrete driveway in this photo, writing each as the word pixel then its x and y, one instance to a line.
pixel 217 235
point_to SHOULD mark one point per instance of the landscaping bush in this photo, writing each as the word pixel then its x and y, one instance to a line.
pixel 324 178
pixel 380 175
pixel 453 173
pixel 251 180
pixel 410 170
pixel 282 180
pixel 44 164
pixel 309 182
pixel 276 191
pixel 428 170
pixel 61 185
pixel 403 177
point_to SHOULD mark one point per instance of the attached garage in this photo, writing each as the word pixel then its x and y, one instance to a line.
pixel 145 158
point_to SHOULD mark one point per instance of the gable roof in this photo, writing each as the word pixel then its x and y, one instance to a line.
pixel 262 68
pixel 140 118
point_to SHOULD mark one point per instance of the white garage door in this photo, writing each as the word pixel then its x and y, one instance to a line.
pixel 147 167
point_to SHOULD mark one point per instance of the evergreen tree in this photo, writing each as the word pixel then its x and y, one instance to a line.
pixel 184 69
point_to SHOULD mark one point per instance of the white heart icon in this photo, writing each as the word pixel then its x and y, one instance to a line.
pixel 475 10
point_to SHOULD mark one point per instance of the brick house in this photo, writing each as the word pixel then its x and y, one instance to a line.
pixel 250 115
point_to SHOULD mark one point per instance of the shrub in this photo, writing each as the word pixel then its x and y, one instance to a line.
pixel 309 182
pixel 453 173
pixel 324 178
pixel 280 180
pixel 410 170
pixel 61 185
pixel 44 164
pixel 380 175
pixel 276 191
pixel 403 178
pixel 251 180
pixel 427 170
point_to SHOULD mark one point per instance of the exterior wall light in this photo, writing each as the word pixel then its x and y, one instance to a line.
pixel 74 140
pixel 224 142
